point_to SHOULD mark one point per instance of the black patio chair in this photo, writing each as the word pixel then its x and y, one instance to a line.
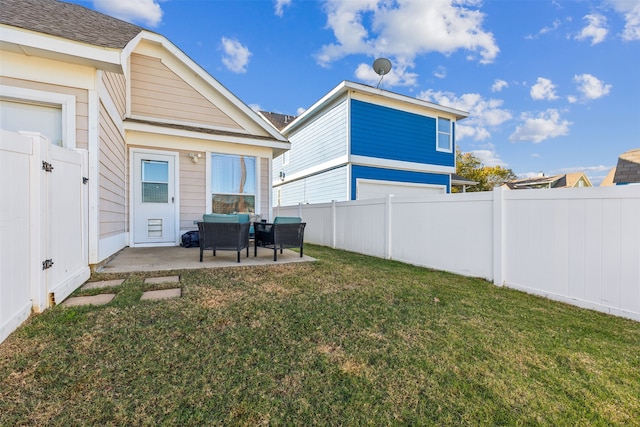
pixel 224 236
pixel 278 236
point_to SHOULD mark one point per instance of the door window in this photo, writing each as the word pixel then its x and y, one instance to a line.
pixel 155 181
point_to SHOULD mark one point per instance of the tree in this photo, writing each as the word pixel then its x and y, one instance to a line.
pixel 470 167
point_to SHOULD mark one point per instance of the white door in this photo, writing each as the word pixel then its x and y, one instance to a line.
pixel 154 195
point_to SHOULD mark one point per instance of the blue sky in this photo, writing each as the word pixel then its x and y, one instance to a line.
pixel 551 86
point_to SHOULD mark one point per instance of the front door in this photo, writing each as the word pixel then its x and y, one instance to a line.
pixel 154 199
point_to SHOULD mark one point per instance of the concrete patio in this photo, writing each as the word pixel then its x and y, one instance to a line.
pixel 178 258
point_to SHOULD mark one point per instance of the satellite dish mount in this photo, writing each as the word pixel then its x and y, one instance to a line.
pixel 381 66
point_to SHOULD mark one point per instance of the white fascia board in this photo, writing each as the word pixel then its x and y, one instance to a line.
pixel 346 87
pixel 37 44
pixel 188 124
pixel 335 93
pixel 198 70
pixel 314 170
pixel 279 146
pixel 401 165
pixel 358 87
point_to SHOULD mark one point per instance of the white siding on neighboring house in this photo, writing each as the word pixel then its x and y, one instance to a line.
pixel 330 127
pixel 320 188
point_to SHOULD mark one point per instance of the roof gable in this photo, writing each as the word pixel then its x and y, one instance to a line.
pixel 174 71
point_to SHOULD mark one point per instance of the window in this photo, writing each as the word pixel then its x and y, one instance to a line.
pixel 444 142
pixel 155 181
pixel 49 113
pixel 233 183
pixel 21 116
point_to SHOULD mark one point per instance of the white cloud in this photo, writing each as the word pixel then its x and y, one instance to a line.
pixel 631 12
pixel 280 5
pixel 543 89
pixel 300 110
pixel 554 26
pixel 596 30
pixel 146 12
pixel 440 72
pixel 398 76
pixel 591 87
pixel 483 114
pixel 489 157
pixel 236 56
pixel 547 124
pixel 498 85
pixel 404 29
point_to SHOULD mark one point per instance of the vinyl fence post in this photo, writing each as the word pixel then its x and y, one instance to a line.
pixel 498 236
pixel 333 224
pixel 387 226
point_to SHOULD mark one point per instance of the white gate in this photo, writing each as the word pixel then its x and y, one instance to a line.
pixel 43 226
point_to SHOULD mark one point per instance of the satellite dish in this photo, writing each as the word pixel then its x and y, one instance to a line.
pixel 381 66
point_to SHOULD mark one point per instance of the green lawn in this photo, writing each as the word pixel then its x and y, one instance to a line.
pixel 347 340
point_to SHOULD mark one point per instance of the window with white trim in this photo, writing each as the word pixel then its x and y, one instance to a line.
pixel 444 141
pixel 49 113
pixel 233 183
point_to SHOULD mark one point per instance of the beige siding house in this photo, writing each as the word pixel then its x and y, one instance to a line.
pixel 163 141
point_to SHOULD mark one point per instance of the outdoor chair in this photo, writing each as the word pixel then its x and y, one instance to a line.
pixel 225 233
pixel 284 232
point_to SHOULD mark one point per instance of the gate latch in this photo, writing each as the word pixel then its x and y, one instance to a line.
pixel 47 263
pixel 47 167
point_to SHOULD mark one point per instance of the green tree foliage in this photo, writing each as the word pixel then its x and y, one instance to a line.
pixel 470 167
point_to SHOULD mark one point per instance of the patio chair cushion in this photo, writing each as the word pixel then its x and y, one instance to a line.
pixel 243 217
pixel 287 220
pixel 233 218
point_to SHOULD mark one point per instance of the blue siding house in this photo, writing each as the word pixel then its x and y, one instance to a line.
pixel 360 142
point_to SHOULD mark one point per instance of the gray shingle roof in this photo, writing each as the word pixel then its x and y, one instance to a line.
pixel 628 168
pixel 280 121
pixel 69 21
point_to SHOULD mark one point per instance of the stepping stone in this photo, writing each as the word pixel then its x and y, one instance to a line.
pixel 100 299
pixel 162 294
pixel 167 279
pixel 103 284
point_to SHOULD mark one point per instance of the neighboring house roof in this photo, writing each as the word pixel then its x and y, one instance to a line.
pixel 347 87
pixel 459 180
pixel 628 168
pixel 279 121
pixel 608 180
pixel 569 180
pixel 69 21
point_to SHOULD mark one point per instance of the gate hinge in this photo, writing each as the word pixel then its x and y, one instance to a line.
pixel 47 167
pixel 47 263
pixel 85 179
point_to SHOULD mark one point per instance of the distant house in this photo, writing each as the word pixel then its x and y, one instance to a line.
pixel 569 180
pixel 627 171
pixel 359 142
pixel 148 139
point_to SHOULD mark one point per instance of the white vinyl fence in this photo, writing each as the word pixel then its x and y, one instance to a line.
pixel 43 226
pixel 580 246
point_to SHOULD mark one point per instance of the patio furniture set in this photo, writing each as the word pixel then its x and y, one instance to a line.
pixel 233 233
